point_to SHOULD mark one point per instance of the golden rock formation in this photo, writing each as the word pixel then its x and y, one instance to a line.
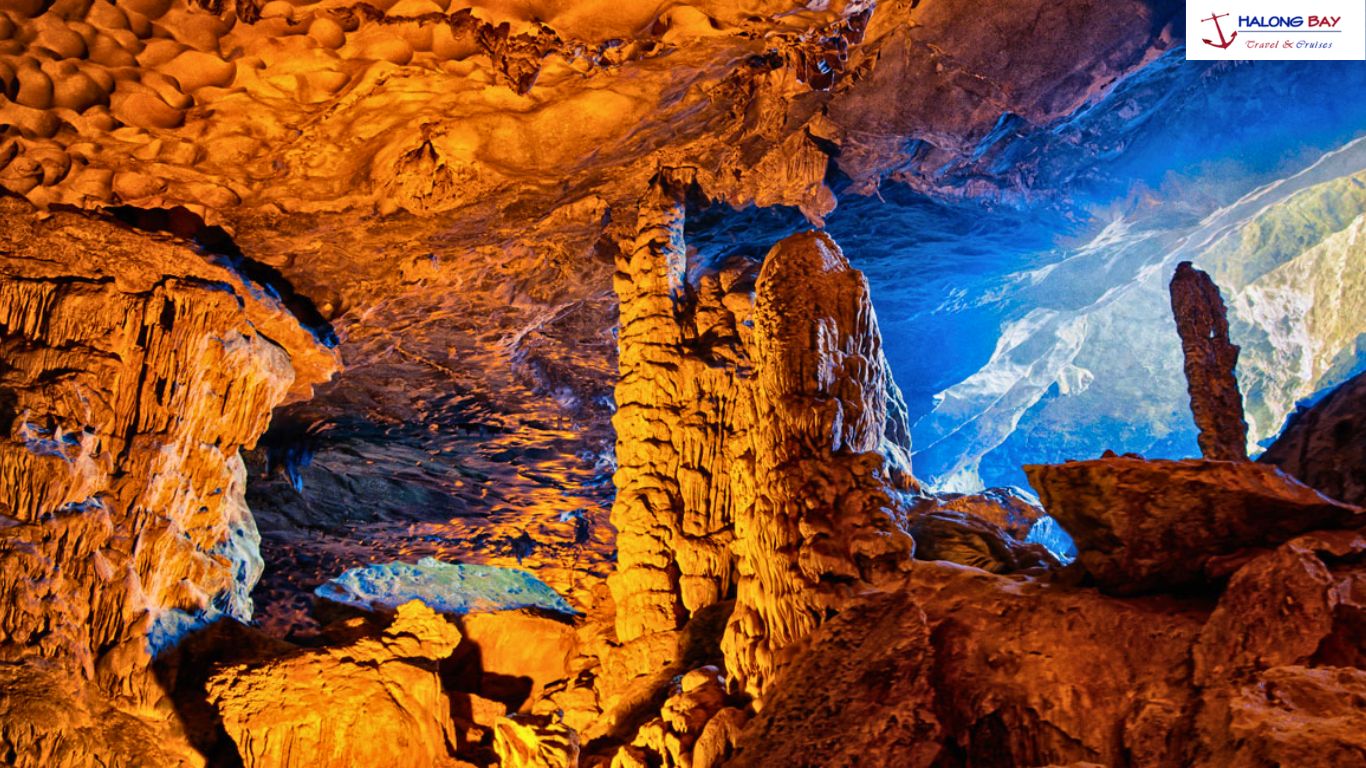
pixel 823 523
pixel 377 701
pixel 134 372
pixel 753 404
pixel 535 742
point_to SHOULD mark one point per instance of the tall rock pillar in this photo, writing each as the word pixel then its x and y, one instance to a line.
pixel 823 524
pixel 1211 360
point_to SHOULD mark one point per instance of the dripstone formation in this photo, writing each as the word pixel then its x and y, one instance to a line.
pixel 134 372
pixel 486 210
pixel 1211 360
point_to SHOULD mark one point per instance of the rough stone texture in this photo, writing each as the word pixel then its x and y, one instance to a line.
pixel 134 371
pixel 1030 673
pixel 1325 445
pixel 515 653
pixel 823 522
pixel 1211 360
pixel 679 400
pixel 51 719
pixel 964 538
pixel 446 182
pixel 1281 658
pixel 377 701
pixel 695 699
pixel 1141 525
pixel 877 710
pixel 998 506
pixel 535 742
pixel 712 424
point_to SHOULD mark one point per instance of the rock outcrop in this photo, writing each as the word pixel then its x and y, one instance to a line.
pixel 964 667
pixel 134 371
pixel 860 692
pixel 1142 525
pixel 377 701
pixel 1324 445
pixel 1210 360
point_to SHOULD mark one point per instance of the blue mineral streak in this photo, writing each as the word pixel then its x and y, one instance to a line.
pixel 449 588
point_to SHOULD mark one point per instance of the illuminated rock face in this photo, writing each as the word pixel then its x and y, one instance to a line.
pixel 751 416
pixel 134 372
pixel 377 701
pixel 823 522
pixel 1143 525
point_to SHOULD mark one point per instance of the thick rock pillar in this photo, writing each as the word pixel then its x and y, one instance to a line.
pixel 823 524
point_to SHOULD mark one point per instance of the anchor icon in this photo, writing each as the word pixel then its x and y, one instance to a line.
pixel 1223 43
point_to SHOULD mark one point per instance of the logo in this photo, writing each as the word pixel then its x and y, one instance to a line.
pixel 1222 42
pixel 1276 29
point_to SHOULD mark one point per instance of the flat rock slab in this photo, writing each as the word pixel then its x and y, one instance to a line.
pixel 454 589
pixel 1144 525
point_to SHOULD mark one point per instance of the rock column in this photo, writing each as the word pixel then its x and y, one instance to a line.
pixel 1211 359
pixel 823 524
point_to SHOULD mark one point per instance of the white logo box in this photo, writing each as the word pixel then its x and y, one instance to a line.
pixel 1283 30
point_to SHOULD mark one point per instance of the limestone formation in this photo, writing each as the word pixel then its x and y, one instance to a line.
pixel 134 371
pixel 942 534
pixel 1211 361
pixel 535 742
pixel 823 522
pixel 674 507
pixel 711 421
pixel 1324 445
pixel 860 692
pixel 696 699
pixel 1142 525
pixel 377 701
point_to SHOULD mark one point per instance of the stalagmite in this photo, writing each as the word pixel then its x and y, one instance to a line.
pixel 823 523
pixel 772 414
pixel 1202 321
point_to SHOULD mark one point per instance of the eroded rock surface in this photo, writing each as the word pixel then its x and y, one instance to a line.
pixel 1141 525
pixel 1210 359
pixel 1325 445
pixel 377 701
pixel 135 370
pixel 823 520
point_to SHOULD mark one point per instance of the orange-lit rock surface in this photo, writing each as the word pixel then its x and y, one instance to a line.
pixel 135 370
pixel 377 701
pixel 482 208
pixel 1147 524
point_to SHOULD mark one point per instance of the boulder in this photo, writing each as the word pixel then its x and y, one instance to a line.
pixel 1143 525
pixel 529 741
pixel 859 692
pixel 377 701
pixel 1324 444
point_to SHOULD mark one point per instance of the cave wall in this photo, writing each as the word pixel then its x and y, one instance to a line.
pixel 134 371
